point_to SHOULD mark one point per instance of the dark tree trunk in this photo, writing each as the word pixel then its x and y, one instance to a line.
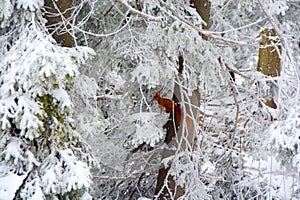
pixel 58 15
pixel 166 185
pixel 203 9
pixel 166 190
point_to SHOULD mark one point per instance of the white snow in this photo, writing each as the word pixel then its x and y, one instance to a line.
pixel 9 184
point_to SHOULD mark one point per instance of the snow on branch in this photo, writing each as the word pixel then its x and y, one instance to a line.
pixel 232 69
pixel 139 13
pixel 209 34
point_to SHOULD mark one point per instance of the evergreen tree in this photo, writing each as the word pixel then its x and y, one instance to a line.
pixel 42 153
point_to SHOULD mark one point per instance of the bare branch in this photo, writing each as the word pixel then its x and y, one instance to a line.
pixel 34 167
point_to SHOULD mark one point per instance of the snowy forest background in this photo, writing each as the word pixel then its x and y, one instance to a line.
pixel 77 116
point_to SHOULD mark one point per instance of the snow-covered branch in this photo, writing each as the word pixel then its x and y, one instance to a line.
pixel 207 33
pixel 139 13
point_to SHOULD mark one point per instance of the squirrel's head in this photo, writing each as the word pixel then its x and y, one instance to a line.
pixel 157 96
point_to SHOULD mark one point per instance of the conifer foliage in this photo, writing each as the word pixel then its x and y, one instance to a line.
pixel 42 155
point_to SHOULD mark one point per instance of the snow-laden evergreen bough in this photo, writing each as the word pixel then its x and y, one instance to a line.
pixel 42 156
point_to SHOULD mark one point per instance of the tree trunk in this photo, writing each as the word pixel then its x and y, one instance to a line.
pixel 166 185
pixel 179 137
pixel 269 60
pixel 185 134
pixel 203 9
pixel 58 15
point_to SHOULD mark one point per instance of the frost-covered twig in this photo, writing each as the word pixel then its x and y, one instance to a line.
pixel 108 178
pixel 64 22
pixel 144 99
pixel 108 97
pixel 193 106
pixel 85 20
pixel 102 35
pixel 209 34
pixel 139 13
pixel 238 28
pixel 236 71
pixel 234 94
pixel 211 177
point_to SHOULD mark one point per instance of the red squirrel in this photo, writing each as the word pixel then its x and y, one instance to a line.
pixel 169 105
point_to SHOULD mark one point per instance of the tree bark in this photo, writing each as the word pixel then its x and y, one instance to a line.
pixel 203 9
pixel 179 136
pixel 58 15
pixel 269 59
pixel 185 134
pixel 166 185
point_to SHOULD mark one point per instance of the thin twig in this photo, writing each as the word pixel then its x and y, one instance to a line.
pixel 108 97
pixel 209 34
pixel 108 178
pixel 235 93
pixel 238 28
pixel 103 35
pixel 236 71
pixel 139 13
